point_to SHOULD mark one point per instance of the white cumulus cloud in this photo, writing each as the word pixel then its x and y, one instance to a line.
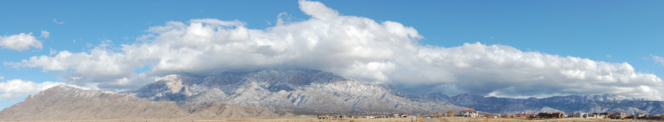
pixel 20 42
pixel 506 71
pixel 350 46
pixel 52 51
pixel 45 34
pixel 658 59
pixel 17 88
pixel 56 22
pixel 317 10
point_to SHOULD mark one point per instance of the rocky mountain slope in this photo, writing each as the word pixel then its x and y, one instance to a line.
pixel 70 103
pixel 567 104
pixel 291 90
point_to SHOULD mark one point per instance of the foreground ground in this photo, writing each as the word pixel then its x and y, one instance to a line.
pixel 313 119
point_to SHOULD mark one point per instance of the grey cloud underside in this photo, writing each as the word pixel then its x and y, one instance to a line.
pixel 20 42
pixel 290 90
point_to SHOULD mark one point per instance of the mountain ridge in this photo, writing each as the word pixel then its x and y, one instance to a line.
pixel 293 90
pixel 567 104
pixel 69 103
pixel 275 92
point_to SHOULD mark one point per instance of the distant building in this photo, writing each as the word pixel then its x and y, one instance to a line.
pixel 653 117
pixel 524 115
pixel 544 115
pixel 579 115
pixel 488 115
pixel 637 116
pixel 605 114
pixel 340 117
pixel 395 115
pixel 468 113
pixel 324 116
pixel 557 115
pixel 617 115
pixel 403 115
pixel 594 115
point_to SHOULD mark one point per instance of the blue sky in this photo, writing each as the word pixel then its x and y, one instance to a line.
pixel 605 31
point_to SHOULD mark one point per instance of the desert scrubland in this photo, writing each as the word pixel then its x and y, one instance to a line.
pixel 313 119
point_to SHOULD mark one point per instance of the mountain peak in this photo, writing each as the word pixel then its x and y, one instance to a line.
pixel 59 88
pixel 288 90
pixel 62 86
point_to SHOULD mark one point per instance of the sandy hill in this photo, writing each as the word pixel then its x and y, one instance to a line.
pixel 70 103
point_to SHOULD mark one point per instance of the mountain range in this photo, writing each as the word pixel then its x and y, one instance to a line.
pixel 291 90
pixel 278 92
pixel 566 104
pixel 312 91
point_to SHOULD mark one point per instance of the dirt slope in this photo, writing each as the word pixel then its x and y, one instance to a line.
pixel 69 103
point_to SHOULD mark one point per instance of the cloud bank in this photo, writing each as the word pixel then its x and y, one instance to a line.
pixel 20 42
pixel 16 88
pixel 350 46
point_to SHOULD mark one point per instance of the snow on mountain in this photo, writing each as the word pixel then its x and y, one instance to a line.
pixel 312 91
pixel 291 90
pixel 566 104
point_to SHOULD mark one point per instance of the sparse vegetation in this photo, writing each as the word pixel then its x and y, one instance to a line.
pixel 450 113
pixel 313 119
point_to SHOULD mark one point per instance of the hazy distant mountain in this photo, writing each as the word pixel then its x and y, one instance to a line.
pixel 567 104
pixel 292 90
pixel 70 103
